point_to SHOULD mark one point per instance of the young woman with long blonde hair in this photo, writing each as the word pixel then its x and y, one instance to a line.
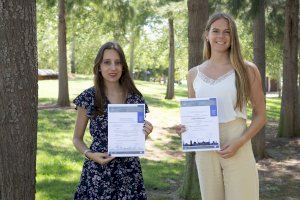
pixel 230 173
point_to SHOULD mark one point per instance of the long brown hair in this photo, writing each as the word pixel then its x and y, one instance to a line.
pixel 241 68
pixel 125 80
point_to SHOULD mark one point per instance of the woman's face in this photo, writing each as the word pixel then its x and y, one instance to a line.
pixel 111 66
pixel 219 35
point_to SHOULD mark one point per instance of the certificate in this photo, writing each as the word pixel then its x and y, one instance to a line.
pixel 125 130
pixel 200 117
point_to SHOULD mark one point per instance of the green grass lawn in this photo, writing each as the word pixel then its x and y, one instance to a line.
pixel 59 164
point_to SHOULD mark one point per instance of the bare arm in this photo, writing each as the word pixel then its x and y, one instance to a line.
pixel 190 80
pixel 257 100
pixel 81 123
pixel 259 114
pixel 80 126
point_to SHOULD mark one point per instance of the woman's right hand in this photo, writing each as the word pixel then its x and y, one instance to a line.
pixel 180 129
pixel 100 158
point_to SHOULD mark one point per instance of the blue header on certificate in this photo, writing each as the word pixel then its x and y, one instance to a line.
pixel 137 108
pixel 198 102
pixel 211 102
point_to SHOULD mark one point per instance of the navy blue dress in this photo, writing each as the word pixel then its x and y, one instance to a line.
pixel 121 178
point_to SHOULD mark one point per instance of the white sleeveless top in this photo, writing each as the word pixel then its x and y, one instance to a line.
pixel 224 90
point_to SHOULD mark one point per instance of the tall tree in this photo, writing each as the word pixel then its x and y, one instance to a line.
pixel 73 65
pixel 132 47
pixel 288 126
pixel 258 142
pixel 198 16
pixel 142 11
pixel 170 86
pixel 18 99
pixel 63 90
pixel 73 41
pixel 169 9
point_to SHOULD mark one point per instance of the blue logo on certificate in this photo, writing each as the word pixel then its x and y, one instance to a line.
pixel 141 114
pixel 213 107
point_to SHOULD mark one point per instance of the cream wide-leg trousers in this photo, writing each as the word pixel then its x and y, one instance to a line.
pixel 234 178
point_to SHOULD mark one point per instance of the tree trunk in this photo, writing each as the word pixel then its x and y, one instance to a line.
pixel 279 86
pixel 288 118
pixel 170 86
pixel 258 142
pixel 63 91
pixel 18 99
pixel 298 105
pixel 73 67
pixel 198 16
pixel 132 46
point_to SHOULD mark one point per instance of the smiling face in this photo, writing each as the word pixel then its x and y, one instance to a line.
pixel 219 35
pixel 111 66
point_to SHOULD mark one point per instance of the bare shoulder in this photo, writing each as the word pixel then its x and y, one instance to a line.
pixel 253 71
pixel 192 74
pixel 193 71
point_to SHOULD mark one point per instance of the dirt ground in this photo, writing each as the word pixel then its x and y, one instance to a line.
pixel 279 173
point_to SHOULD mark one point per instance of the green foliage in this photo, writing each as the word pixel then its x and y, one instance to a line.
pixel 274 60
pixel 47 36
pixel 275 21
pixel 92 23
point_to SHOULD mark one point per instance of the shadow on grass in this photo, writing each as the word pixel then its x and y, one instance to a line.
pixel 161 175
pixel 278 188
pixel 56 120
pixel 63 152
pixel 56 189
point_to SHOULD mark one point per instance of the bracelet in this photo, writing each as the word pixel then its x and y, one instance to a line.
pixel 85 152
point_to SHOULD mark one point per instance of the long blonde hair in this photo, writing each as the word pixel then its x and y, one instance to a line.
pixel 241 68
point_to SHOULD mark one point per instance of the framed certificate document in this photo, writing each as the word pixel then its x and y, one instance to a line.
pixel 125 130
pixel 200 117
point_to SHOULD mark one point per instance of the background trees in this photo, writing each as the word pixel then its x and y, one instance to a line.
pixel 289 124
pixel 18 99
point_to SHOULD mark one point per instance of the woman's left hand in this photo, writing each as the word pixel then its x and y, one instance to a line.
pixel 230 149
pixel 148 128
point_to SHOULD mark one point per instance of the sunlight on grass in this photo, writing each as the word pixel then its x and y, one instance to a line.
pixel 48 89
pixel 272 107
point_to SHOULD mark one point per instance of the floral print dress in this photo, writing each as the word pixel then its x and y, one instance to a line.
pixel 121 178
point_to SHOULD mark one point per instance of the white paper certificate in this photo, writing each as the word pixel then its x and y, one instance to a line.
pixel 125 130
pixel 200 117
